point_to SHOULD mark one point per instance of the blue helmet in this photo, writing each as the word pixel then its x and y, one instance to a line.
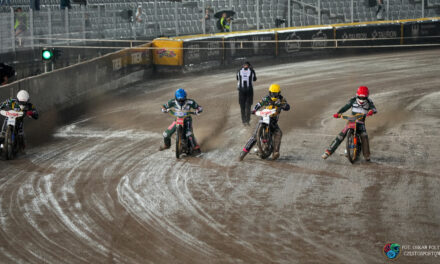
pixel 180 95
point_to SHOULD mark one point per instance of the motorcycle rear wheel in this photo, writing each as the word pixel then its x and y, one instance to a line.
pixel 353 149
pixel 264 141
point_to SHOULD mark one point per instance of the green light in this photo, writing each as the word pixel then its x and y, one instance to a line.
pixel 47 54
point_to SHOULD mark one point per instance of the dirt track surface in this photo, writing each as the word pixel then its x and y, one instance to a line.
pixel 100 192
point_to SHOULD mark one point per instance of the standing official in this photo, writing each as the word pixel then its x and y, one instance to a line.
pixel 245 76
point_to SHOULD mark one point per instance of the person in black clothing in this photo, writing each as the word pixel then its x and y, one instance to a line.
pixel 6 73
pixel 380 9
pixel 245 76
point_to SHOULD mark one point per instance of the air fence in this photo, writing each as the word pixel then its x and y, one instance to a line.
pixel 191 52
pixel 105 19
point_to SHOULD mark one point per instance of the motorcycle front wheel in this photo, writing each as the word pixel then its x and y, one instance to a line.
pixel 179 136
pixel 264 141
pixel 8 144
pixel 353 146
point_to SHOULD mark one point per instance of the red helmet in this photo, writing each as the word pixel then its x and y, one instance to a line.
pixel 362 94
pixel 362 91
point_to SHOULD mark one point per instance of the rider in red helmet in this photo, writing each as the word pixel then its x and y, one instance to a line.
pixel 358 104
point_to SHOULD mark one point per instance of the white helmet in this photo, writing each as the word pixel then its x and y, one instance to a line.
pixel 23 96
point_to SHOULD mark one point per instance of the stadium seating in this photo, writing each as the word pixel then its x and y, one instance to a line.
pixel 188 15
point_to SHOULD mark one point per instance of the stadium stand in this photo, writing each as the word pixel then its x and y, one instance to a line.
pixel 110 19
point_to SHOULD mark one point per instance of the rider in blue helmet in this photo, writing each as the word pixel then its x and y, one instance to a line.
pixel 180 96
pixel 182 103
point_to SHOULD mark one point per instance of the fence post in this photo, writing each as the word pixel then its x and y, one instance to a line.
pixel 157 26
pixel 115 24
pixel 66 24
pixel 352 11
pixel 49 20
pixel 83 23
pixel 99 21
pixel 289 15
pixel 423 8
pixel 12 29
pixel 388 9
pixel 176 20
pixel 31 27
pixel 258 14
pixel 203 17
pixel 319 12
pixel 304 15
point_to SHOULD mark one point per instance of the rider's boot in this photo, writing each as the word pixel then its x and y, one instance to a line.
pixel 333 146
pixel 166 144
pixel 195 146
pixel 277 143
pixel 197 150
pixel 163 147
pixel 326 154
pixel 365 147
pixel 243 154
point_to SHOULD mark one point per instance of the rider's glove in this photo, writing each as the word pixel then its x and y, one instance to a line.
pixel 277 103
pixel 336 115
pixel 164 110
pixel 30 113
pixel 370 113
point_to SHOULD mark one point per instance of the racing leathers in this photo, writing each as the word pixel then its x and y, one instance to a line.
pixel 267 102
pixel 356 108
pixel 245 77
pixel 186 106
pixel 27 108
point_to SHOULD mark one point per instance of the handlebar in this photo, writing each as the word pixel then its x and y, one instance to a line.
pixel 180 113
pixel 352 118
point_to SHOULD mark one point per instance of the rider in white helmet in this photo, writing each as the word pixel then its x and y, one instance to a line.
pixel 21 103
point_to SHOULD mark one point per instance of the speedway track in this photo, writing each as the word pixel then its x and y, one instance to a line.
pixel 100 192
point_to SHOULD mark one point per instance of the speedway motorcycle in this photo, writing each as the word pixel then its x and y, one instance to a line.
pixel 11 144
pixel 354 143
pixel 264 133
pixel 183 144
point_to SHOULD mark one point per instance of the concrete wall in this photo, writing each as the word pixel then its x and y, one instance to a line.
pixel 71 85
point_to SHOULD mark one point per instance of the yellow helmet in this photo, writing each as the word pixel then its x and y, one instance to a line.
pixel 274 91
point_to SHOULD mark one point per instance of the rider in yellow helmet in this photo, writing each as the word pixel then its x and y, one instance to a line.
pixel 273 99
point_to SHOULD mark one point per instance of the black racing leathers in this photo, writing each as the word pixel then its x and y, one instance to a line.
pixel 188 105
pixel 245 77
pixel 13 104
pixel 267 102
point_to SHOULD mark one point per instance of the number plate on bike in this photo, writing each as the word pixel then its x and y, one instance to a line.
pixel 179 121
pixel 180 114
pixel 11 121
pixel 352 125
pixel 266 119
